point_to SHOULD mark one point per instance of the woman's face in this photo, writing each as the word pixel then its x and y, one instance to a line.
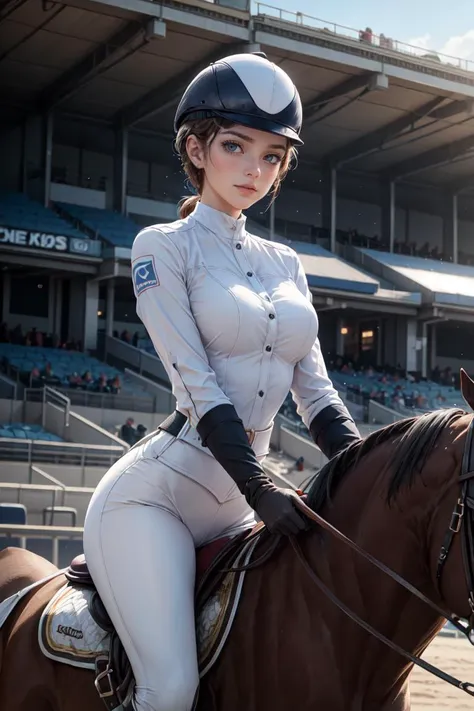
pixel 240 165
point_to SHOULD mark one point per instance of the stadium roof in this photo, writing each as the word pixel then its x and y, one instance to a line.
pixel 382 110
pixel 326 273
pixel 441 283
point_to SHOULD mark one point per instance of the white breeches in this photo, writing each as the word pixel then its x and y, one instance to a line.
pixel 141 529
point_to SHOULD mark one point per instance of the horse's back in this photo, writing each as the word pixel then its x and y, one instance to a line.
pixel 19 568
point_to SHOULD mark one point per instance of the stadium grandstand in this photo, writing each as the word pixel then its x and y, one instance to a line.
pixel 380 211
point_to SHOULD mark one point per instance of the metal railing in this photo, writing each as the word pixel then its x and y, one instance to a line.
pixel 385 44
pixel 53 533
pixel 50 395
pixel 64 453
pixel 103 401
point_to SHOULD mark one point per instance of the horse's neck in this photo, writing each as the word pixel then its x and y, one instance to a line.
pixel 388 535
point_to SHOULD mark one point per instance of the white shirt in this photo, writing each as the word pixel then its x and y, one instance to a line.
pixel 231 317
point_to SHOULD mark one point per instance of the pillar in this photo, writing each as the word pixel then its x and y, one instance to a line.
pixel 330 204
pixel 91 319
pixel 119 188
pixel 450 229
pixel 388 215
pixel 48 156
pixel 109 308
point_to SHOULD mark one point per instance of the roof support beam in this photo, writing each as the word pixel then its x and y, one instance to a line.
pixel 123 43
pixel 430 159
pixel 375 140
pixel 453 109
pixel 354 82
pixel 168 94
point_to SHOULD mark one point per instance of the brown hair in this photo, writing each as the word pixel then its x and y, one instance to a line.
pixel 205 131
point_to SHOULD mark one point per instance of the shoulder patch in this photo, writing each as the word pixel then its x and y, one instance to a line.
pixel 144 274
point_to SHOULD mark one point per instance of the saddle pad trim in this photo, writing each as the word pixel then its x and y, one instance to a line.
pixel 246 555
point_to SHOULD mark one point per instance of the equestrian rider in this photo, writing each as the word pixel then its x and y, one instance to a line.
pixel 231 318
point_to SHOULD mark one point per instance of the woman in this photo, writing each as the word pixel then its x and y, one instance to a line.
pixel 230 315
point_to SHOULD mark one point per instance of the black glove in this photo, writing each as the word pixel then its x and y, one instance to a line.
pixel 333 429
pixel 222 431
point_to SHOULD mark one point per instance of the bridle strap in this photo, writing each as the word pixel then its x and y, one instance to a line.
pixel 458 521
pixel 463 685
pixel 309 513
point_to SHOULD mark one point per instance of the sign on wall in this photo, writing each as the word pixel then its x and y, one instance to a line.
pixel 45 241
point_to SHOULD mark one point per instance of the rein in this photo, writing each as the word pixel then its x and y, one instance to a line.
pixel 458 522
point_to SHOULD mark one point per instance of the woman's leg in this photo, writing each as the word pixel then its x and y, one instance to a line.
pixel 142 559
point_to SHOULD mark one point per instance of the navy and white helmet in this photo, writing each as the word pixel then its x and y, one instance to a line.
pixel 247 89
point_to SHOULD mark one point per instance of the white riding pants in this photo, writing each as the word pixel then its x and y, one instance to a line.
pixel 144 521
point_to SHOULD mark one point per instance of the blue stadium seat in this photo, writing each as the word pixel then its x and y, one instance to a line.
pixel 111 226
pixel 13 513
pixel 17 210
pixel 64 364
pixel 17 430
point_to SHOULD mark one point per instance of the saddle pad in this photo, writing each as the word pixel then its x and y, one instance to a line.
pixel 67 631
pixel 68 634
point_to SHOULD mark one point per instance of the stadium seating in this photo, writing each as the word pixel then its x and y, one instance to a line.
pixel 18 430
pixel 64 364
pixel 400 394
pixel 19 212
pixel 111 226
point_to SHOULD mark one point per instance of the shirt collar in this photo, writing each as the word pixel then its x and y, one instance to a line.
pixel 219 222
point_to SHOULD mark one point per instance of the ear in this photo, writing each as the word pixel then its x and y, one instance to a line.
pixel 195 151
pixel 467 388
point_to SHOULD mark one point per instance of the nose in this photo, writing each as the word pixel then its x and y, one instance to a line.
pixel 253 169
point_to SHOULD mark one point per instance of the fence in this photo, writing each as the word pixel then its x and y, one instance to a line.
pixel 55 534
pixel 387 45
pixel 67 454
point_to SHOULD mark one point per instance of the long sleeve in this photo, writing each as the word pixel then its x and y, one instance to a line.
pixel 159 282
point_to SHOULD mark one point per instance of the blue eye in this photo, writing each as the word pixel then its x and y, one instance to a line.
pixel 273 158
pixel 231 146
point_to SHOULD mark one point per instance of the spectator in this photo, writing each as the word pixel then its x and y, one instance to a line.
pixel 141 432
pixel 128 432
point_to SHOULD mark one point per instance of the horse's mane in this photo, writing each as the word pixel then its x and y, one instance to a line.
pixel 418 435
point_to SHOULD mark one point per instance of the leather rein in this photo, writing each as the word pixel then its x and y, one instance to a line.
pixel 459 523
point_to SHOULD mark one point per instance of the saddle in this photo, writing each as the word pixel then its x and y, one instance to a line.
pixel 114 677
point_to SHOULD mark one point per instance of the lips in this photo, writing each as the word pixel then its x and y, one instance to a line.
pixel 251 188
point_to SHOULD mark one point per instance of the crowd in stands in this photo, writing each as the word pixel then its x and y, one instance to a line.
pixel 395 388
pixel 33 337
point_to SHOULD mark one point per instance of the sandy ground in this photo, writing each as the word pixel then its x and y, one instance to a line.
pixel 455 656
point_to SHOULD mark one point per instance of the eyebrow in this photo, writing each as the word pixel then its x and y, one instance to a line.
pixel 279 146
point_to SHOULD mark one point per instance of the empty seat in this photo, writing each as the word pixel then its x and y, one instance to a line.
pixel 13 513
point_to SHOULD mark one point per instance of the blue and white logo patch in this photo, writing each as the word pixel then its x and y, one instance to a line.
pixel 144 274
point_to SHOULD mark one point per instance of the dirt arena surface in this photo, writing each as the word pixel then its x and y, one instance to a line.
pixel 455 656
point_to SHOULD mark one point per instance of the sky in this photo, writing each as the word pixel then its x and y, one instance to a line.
pixel 442 25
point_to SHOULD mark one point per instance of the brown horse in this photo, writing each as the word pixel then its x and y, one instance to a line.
pixel 393 495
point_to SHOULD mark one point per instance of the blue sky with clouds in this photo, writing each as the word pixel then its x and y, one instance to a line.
pixel 435 24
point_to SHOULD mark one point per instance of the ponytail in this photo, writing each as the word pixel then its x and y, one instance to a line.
pixel 187 205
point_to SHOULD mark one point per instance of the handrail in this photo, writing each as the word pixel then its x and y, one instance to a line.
pixel 59 396
pixel 45 475
pixel 384 43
